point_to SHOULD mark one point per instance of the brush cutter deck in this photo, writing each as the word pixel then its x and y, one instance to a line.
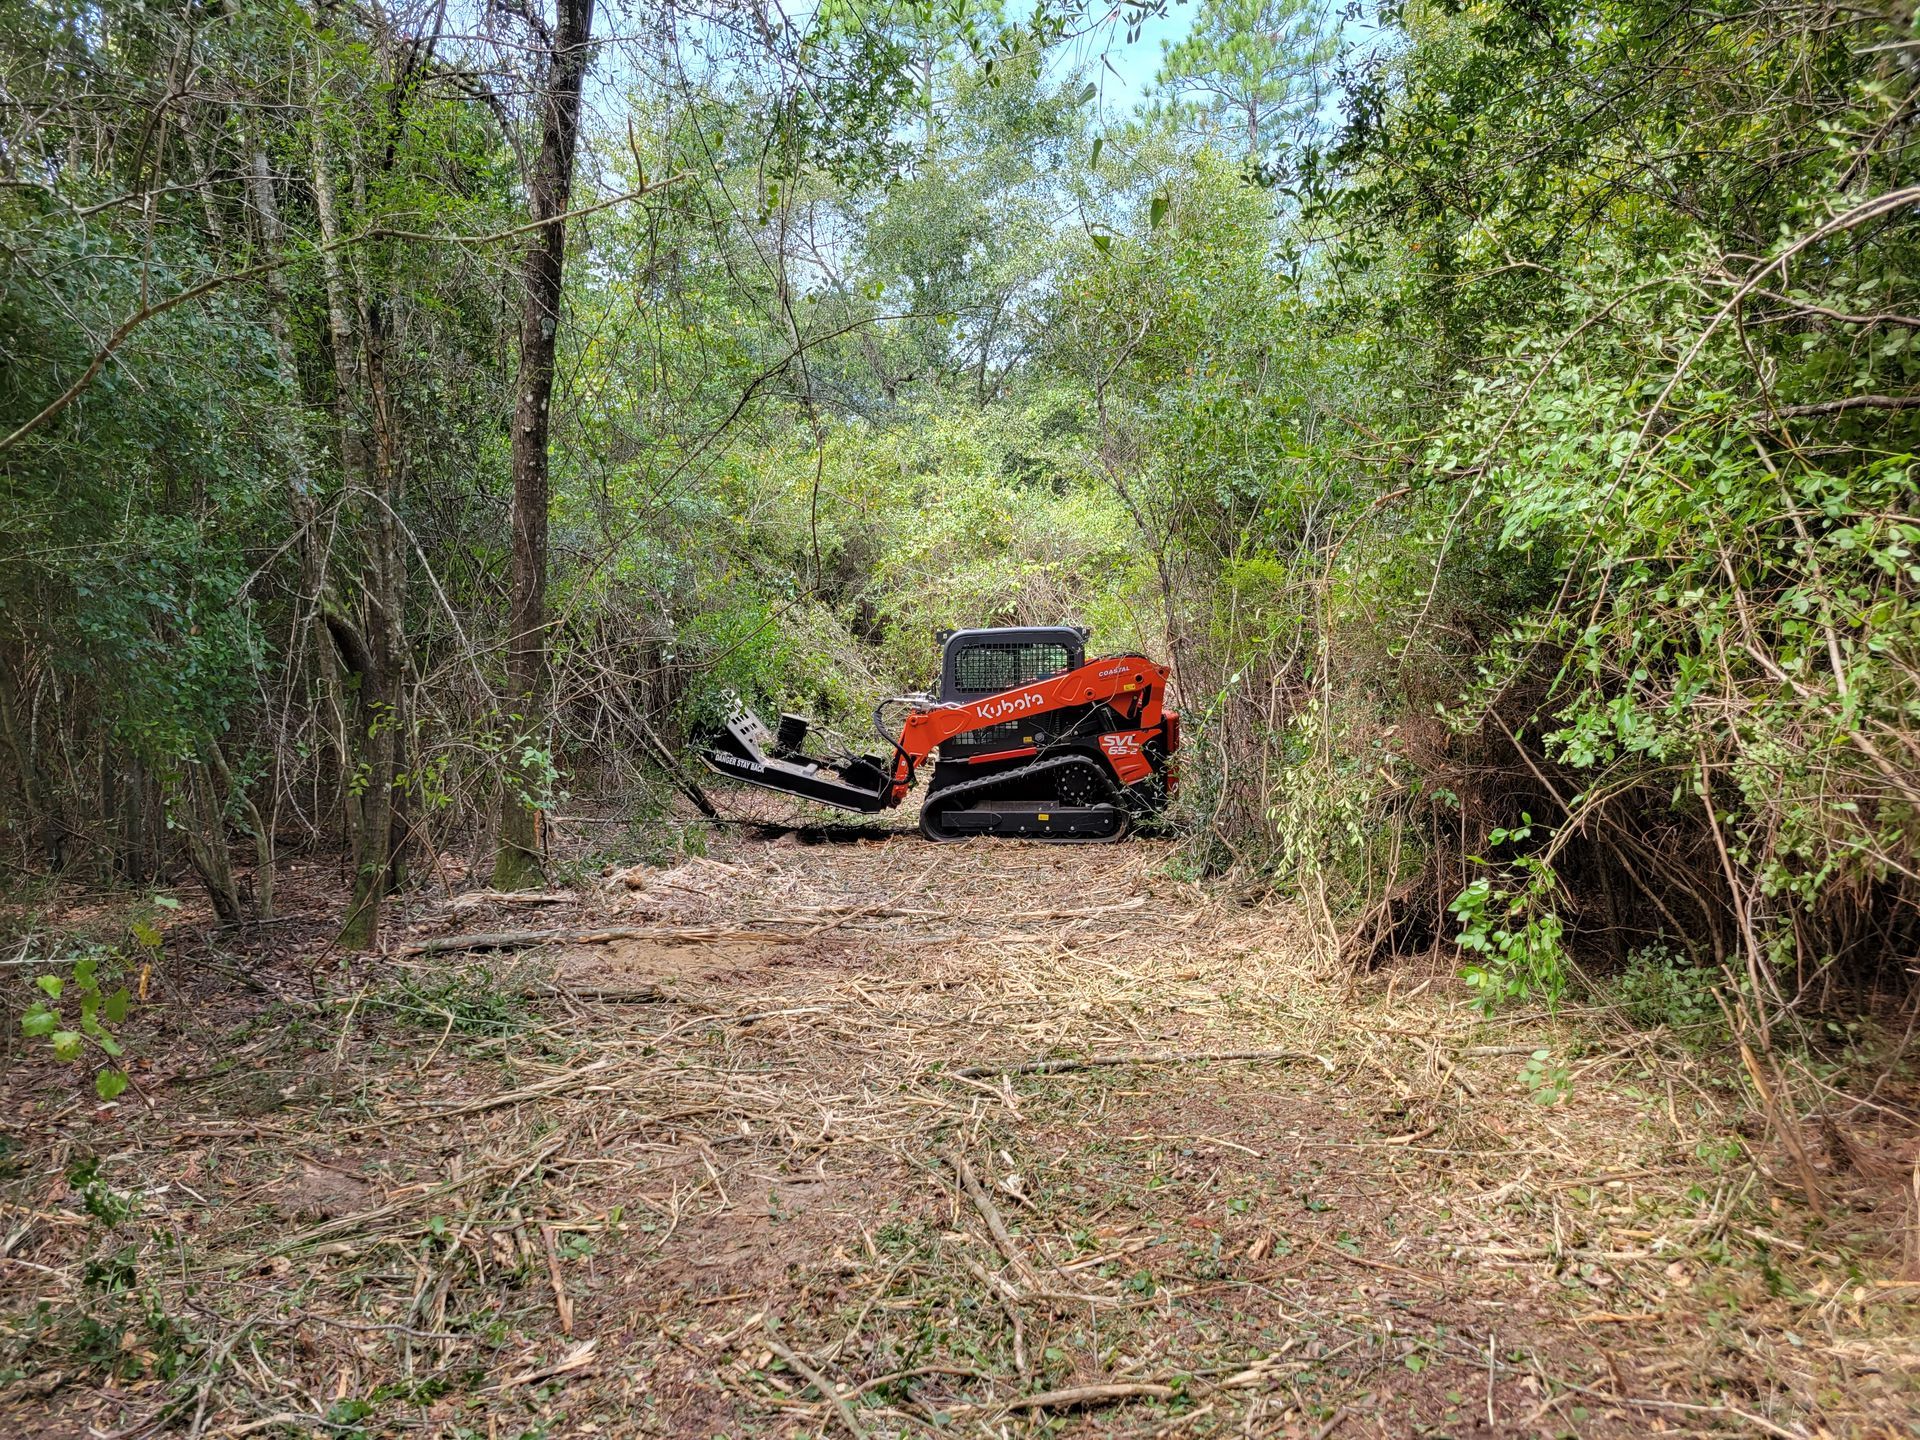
pixel 746 749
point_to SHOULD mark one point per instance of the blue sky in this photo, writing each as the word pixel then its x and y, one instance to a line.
pixel 1124 70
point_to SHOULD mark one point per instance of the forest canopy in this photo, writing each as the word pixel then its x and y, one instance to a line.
pixel 1501 414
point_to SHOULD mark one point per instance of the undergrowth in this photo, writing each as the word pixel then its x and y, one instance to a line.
pixel 466 1000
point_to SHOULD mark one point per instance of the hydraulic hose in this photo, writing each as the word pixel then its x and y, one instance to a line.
pixel 890 740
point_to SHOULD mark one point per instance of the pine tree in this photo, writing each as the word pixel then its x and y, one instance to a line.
pixel 1249 72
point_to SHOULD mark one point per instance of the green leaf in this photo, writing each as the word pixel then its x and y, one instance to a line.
pixel 107 1043
pixel 67 1044
pixel 109 1083
pixel 145 934
pixel 39 1020
pixel 1102 243
pixel 1099 144
pixel 52 984
pixel 83 972
pixel 166 902
pixel 116 1007
pixel 1157 211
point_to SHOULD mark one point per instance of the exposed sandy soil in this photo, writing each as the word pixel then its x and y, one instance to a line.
pixel 662 1185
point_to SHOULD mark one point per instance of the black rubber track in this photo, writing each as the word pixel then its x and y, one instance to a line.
pixel 942 802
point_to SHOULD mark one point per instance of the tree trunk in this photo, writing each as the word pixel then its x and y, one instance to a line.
pixel 197 805
pixel 380 716
pixel 109 803
pixel 135 854
pixel 258 827
pixel 43 808
pixel 374 650
pixel 519 859
pixel 344 348
pixel 374 661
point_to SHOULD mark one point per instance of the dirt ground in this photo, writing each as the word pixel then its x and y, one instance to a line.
pixel 882 1139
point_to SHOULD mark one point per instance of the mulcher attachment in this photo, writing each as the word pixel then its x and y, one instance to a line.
pixel 746 749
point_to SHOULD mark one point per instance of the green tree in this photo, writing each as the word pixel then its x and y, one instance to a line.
pixel 1250 74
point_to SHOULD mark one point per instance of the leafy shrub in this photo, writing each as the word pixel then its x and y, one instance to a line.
pixel 1547 1080
pixel 1661 986
pixel 89 1035
pixel 1508 923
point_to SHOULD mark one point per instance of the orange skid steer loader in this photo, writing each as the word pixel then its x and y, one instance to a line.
pixel 1034 741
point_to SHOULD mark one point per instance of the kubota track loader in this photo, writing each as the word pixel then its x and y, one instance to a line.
pixel 1034 742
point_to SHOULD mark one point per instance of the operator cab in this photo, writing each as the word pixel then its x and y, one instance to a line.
pixel 975 663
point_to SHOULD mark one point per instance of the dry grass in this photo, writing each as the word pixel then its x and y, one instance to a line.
pixel 785 1136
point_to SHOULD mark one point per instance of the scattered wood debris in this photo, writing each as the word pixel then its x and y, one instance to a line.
pixel 888 1139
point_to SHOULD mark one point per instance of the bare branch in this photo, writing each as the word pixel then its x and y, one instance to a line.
pixel 1850 402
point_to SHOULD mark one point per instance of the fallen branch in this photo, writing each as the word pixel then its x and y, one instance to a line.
pixel 526 939
pixel 1081 914
pixel 819 1382
pixel 472 899
pixel 1009 1298
pixel 348 1224
pixel 989 1212
pixel 627 995
pixel 577 1358
pixel 886 904
pixel 1409 1139
pixel 1320 1247
pixel 279 1417
pixel 509 1097
pixel 562 1302
pixel 1093 1062
pixel 1078 1395
pixel 1445 1065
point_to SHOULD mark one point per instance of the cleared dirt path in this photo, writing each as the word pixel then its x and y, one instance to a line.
pixel 988 1140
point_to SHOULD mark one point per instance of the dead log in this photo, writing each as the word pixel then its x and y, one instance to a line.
pixel 1091 1062
pixel 528 939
